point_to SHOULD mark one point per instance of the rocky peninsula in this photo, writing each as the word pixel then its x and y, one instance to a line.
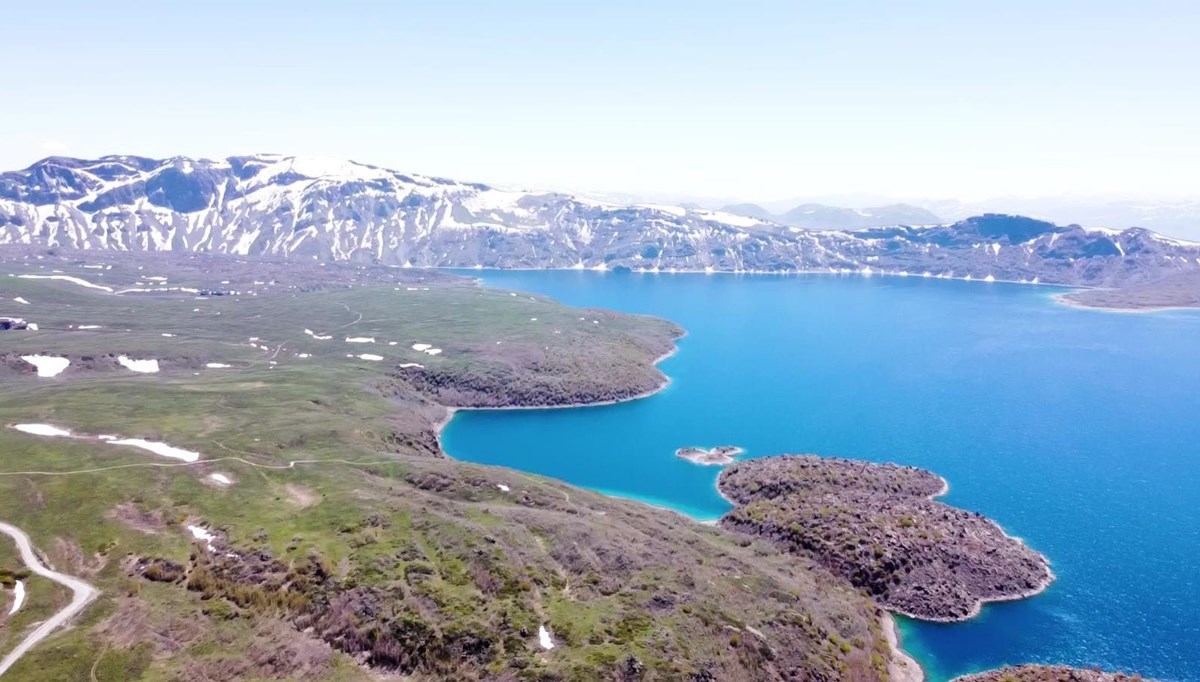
pixel 879 526
pixel 1180 291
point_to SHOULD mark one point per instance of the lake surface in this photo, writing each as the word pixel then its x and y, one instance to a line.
pixel 1078 431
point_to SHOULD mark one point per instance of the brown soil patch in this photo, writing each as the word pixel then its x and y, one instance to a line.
pixel 135 517
pixel 300 496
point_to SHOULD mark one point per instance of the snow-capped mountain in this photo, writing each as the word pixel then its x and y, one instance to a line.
pixel 292 207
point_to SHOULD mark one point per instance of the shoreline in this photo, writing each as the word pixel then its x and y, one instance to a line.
pixel 1062 300
pixel 868 272
pixel 903 667
pixel 450 411
pixel 902 663
pixel 980 603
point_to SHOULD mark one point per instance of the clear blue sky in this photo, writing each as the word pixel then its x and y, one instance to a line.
pixel 753 99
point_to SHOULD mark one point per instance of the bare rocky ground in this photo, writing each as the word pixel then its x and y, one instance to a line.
pixel 1048 673
pixel 879 526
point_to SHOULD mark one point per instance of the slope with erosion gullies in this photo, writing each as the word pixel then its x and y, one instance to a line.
pixel 306 209
pixel 318 536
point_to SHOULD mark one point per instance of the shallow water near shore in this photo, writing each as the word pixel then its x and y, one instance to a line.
pixel 1076 430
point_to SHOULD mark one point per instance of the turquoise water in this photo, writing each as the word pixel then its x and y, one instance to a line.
pixel 1077 430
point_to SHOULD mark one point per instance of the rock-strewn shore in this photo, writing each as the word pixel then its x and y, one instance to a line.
pixel 1047 673
pixel 879 526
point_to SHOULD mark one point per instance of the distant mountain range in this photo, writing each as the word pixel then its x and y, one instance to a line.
pixel 281 206
pixel 1179 217
pixel 823 217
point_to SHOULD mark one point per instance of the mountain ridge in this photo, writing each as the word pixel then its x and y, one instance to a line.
pixel 329 209
pixel 814 216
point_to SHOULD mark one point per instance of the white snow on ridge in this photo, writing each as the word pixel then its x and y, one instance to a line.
pixel 158 448
pixel 370 356
pixel 140 366
pixel 216 365
pixel 728 218
pixel 422 347
pixel 42 430
pixel 544 638
pixel 20 300
pixel 47 365
pixel 1172 241
pixel 68 278
pixel 221 479
pixel 360 339
pixel 677 211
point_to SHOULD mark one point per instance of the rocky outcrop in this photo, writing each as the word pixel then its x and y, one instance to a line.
pixel 879 526
pixel 718 456
pixel 1047 673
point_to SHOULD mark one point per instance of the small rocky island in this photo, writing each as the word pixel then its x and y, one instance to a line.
pixel 718 456
pixel 1048 673
pixel 878 526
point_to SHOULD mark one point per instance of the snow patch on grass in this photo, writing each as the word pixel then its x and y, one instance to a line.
pixel 158 448
pixel 141 366
pixel 202 533
pixel 47 365
pixel 42 430
pixel 18 597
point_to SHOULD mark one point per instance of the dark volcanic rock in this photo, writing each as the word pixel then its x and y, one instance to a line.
pixel 12 323
pixel 878 526
pixel 1047 673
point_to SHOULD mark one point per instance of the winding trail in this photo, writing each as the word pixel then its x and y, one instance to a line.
pixel 82 594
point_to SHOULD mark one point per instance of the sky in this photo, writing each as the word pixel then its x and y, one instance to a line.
pixel 750 100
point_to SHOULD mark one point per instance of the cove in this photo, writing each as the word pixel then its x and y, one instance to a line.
pixel 1077 430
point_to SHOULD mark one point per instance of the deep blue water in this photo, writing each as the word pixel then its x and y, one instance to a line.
pixel 1079 431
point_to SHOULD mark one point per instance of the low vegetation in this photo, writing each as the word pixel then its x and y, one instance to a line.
pixel 878 526
pixel 344 546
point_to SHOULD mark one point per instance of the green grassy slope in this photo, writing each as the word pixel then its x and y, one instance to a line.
pixel 376 549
